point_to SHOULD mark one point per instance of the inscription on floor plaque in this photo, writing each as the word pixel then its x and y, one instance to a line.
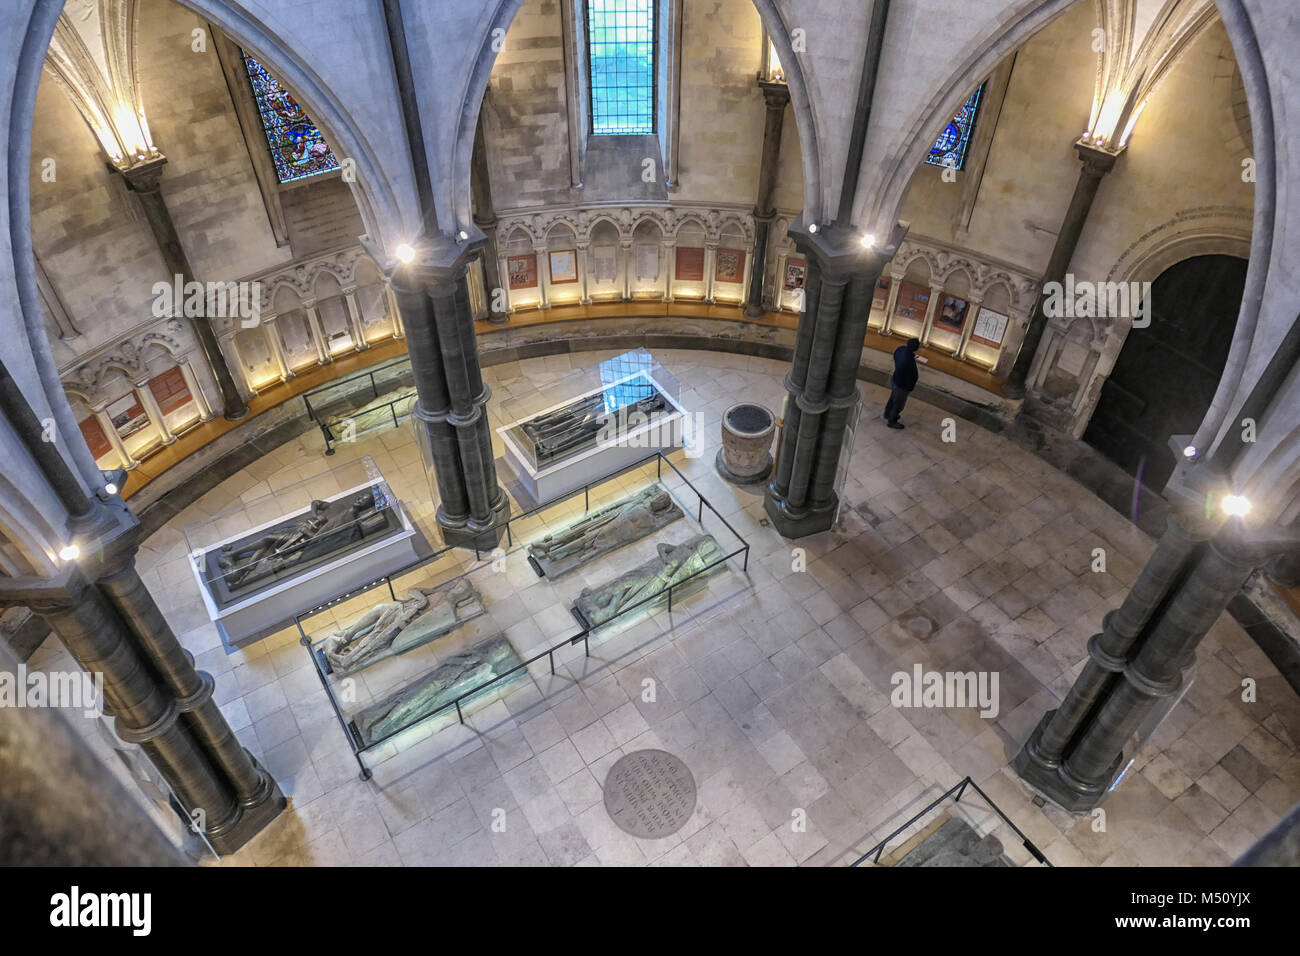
pixel 650 794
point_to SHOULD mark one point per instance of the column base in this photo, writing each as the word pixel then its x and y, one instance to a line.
pixel 1051 779
pixel 754 311
pixel 792 523
pixel 498 318
pixel 253 817
pixel 237 416
pixel 479 535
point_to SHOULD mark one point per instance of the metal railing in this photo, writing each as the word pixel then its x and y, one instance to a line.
pixel 359 746
pixel 956 793
pixel 327 426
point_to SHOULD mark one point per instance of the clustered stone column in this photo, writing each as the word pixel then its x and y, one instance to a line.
pixel 452 398
pixel 776 96
pixel 822 381
pixel 1096 164
pixel 485 218
pixel 145 181
pixel 1141 656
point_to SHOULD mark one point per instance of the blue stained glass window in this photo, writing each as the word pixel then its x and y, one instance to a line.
pixel 950 148
pixel 297 147
pixel 621 51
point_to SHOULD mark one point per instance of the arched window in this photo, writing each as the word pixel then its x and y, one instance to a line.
pixel 621 58
pixel 950 148
pixel 297 147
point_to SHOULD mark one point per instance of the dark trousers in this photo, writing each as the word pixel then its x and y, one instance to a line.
pixel 897 399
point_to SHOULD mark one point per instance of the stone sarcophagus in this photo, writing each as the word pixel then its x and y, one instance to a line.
pixel 673 565
pixel 603 531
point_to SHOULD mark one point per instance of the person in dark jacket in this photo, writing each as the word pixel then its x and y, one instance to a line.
pixel 901 382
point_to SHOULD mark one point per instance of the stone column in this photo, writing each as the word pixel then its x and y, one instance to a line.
pixel 114 438
pixel 317 332
pixel 931 307
pixel 629 267
pixel 154 411
pixel 354 319
pixel 192 383
pixel 144 180
pixel 822 381
pixel 543 278
pixel 62 806
pixel 271 332
pixel 1096 164
pixel 231 351
pixel 710 269
pixel 968 329
pixel 1039 760
pixel 896 280
pixel 668 253
pixel 583 259
pixel 775 96
pixel 485 218
pixel 454 435
pixel 395 313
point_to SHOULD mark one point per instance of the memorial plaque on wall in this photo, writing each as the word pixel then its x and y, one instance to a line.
pixel 989 329
pixel 522 271
pixel 730 266
pixel 604 263
pixel 647 262
pixel 795 270
pixel 952 314
pixel 127 415
pixel 690 264
pixel 913 300
pixel 880 299
pixel 564 266
pixel 95 437
pixel 170 390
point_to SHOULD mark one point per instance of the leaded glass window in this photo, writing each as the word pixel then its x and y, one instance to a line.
pixel 297 147
pixel 621 51
pixel 950 148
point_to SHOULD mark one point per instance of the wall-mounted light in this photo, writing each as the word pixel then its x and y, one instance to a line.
pixel 1235 505
pixel 69 552
pixel 462 236
pixel 812 227
pixel 1190 452
pixel 405 253
pixel 868 240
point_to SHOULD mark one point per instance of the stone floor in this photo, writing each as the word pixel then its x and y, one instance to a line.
pixel 773 686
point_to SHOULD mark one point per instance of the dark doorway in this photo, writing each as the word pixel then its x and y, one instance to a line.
pixel 1167 373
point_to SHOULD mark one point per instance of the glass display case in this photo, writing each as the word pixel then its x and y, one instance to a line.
pixel 591 423
pixel 266 558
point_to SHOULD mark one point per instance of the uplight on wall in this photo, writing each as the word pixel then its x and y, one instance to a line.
pixel 1235 505
pixel 405 253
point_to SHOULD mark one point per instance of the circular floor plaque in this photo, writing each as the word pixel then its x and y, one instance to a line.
pixel 650 794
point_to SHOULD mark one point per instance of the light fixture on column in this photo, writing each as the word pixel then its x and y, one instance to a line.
pixel 868 240
pixel 812 227
pixel 1190 452
pixel 69 552
pixel 114 479
pixel 1235 505
pixel 462 236
pixel 405 253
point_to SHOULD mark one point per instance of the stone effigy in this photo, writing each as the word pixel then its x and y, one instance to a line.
pixel 328 528
pixel 392 628
pixel 579 425
pixel 674 564
pixel 604 530
pixel 458 675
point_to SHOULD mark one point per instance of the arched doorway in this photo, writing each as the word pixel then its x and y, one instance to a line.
pixel 1166 374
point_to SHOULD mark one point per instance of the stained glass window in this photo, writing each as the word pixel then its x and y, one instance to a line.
pixel 297 147
pixel 950 148
pixel 621 51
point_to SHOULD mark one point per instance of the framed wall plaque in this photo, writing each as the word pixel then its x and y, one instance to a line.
pixel 603 263
pixel 647 261
pixel 990 328
pixel 690 264
pixel 730 266
pixel 522 271
pixel 127 414
pixel 170 390
pixel 564 266
pixel 913 300
pixel 952 314
pixel 880 298
pixel 795 271
pixel 95 437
